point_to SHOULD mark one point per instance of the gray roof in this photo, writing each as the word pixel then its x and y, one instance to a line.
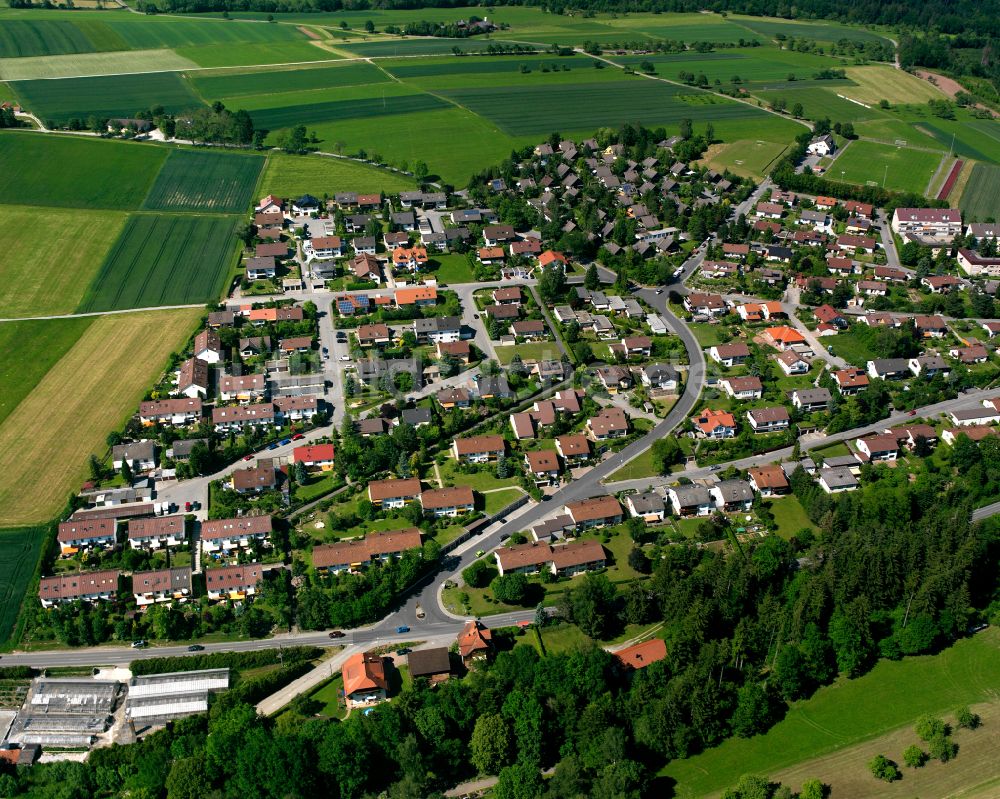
pixel 650 502
pixel 183 446
pixel 691 495
pixel 734 491
pixel 136 450
pixel 496 385
pixel 416 416
pixel 840 461
pixel 659 371
pixel 840 477
pixel 884 365
pixel 427 662
pixel 811 395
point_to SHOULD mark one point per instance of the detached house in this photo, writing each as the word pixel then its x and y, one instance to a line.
pixel 478 449
pixel 811 400
pixel 889 368
pixel 729 354
pixel 192 378
pixel 139 455
pixel 743 388
pixel 715 424
pixel 610 423
pixel 649 506
pixel 543 465
pixel 768 480
pixel 594 512
pixel 850 381
pixel 573 448
pixel 877 448
pixel 732 496
pixel 768 420
pixel 690 500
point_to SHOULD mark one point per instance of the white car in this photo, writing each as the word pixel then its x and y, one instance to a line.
pixel 679 271
pixel 345 357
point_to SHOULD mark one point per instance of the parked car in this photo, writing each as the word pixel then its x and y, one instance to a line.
pixel 248 457
pixel 298 437
pixel 138 644
pixel 402 629
pixel 187 507
pixel 336 634
pixel 345 357
pixel 403 651
pixel 273 445
pixel 195 648
pixel 285 441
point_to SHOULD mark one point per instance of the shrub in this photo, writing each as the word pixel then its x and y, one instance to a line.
pixel 966 719
pixel 930 726
pixel 942 747
pixel 884 769
pixel 510 588
pixel 914 756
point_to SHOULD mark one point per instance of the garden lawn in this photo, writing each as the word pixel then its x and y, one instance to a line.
pixel 893 694
pixel 498 500
pixel 707 335
pixel 50 257
pixel 85 395
pixel 205 181
pixel 635 469
pixel 789 515
pixel 451 268
pixel 295 175
pixel 71 172
pixel 329 693
pixel 317 486
pixel 981 198
pixel 164 260
pixel 477 481
pixel 908 170
pixel 20 548
pixel 530 351
pixel 28 349
pixel 851 347
pixel 105 96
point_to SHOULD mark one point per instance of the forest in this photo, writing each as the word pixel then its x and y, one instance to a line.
pixel 895 569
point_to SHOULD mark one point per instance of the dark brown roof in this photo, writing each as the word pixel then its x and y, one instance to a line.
pixel 429 662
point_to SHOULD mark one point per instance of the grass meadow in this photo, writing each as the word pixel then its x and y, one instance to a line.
pixel 902 168
pixel 294 175
pixel 893 694
pixel 981 198
pixel 749 157
pixel 106 96
pixel 49 273
pixel 28 349
pixel 882 82
pixel 164 260
pixel 68 172
pixel 88 64
pixel 109 364
pixel 814 31
pixel 205 181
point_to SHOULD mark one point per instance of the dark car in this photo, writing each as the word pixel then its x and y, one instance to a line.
pixel 402 629
pixel 195 648
pixel 404 651
pixel 273 445
pixel 285 441
pixel 336 634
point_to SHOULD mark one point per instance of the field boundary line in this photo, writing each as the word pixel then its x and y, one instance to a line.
pixel 103 313
pixel 937 173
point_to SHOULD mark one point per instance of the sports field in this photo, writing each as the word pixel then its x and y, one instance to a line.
pixel 111 96
pixel 205 181
pixel 903 169
pixel 848 712
pixel 164 260
pixel 50 257
pixel 20 548
pixel 68 172
pixel 28 349
pixel 978 139
pixel 293 176
pixel 46 441
pixel 750 158
pixel 981 199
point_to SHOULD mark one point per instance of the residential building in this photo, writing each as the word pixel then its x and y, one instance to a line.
pixel 91 587
pixel 836 480
pixel 314 456
pixel 976 265
pixel 393 493
pixel 889 368
pixel 811 400
pixel 935 223
pixel 82 536
pixel 610 423
pixel 594 512
pixel 356 554
pixel 543 465
pixel 690 500
pixel 743 388
pixel 242 388
pixel 768 420
pixel 573 448
pixel 475 642
pixel 648 506
pixel 451 502
pixel 192 378
pixel 729 354
pixel 768 481
pixel 226 535
pixel 139 455
pixel 162 585
pixel 877 448
pixel 850 381
pixel 158 532
pixel 715 424
pixel 178 412
pixel 478 449
pixel 732 495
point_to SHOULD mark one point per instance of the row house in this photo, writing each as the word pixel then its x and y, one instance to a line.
pixel 566 560
pixel 296 409
pixel 448 502
pixel 356 554
pixel 193 378
pixel 85 535
pixel 238 417
pixel 79 586
pixel 179 412
pixel 162 585
pixel 243 388
pixel 159 532
pixel 394 492
pixel 233 582
pixel 478 449
pixel 226 535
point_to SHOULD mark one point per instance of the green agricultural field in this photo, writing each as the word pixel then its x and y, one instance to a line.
pixel 753 66
pixel 489 67
pixel 28 349
pixel 343 110
pixel 966 136
pixel 417 46
pixel 20 548
pixel 893 694
pixel 903 169
pixel 20 38
pixel 48 274
pixel 164 260
pixel 69 172
pixel 205 181
pixel 981 198
pixel 273 81
pixel 815 31
pixel 89 64
pixel 295 175
pixel 112 96
pixel 820 102
pixel 524 111
pixel 880 82
pixel 245 55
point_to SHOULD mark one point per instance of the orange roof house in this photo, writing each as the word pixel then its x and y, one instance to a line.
pixel 715 424
pixel 783 336
pixel 638 656
pixel 420 295
pixel 364 679
pixel 550 257
pixel 475 642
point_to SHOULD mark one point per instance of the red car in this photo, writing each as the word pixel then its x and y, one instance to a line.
pixel 248 457
pixel 298 437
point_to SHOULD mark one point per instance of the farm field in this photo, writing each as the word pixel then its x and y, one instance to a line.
pixel 452 141
pixel 88 64
pixel 295 175
pixel 99 380
pixel 758 65
pixel 286 111
pixel 750 158
pixel 210 182
pixel 816 31
pixel 69 172
pixel 20 548
pixel 28 349
pixel 881 82
pixel 978 139
pixel 524 111
pixel 416 46
pixel 849 712
pixel 48 274
pixel 240 55
pixel 981 199
pixel 908 170
pixel 821 103
pixel 163 260
pixel 111 96
pixel 269 81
